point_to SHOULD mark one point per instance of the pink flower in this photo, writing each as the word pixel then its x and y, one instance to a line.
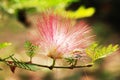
pixel 58 36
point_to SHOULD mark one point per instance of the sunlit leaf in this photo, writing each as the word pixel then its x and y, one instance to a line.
pixel 96 51
pixel 41 5
pixel 3 45
pixel 81 12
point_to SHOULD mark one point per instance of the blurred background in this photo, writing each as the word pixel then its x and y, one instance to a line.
pixel 17 18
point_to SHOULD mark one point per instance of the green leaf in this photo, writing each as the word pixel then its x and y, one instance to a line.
pixel 81 12
pixel 96 51
pixel 5 44
pixel 70 60
pixel 30 49
pixel 23 65
pixel 33 67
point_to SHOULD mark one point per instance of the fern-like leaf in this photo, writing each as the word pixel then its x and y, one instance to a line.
pixel 70 60
pixel 30 49
pixel 95 51
pixel 23 65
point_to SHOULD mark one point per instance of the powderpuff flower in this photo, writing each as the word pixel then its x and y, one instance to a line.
pixel 58 37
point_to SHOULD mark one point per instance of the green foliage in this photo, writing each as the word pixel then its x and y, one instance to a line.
pixel 24 65
pixel 12 62
pixel 3 45
pixel 95 51
pixel 12 5
pixel 70 60
pixel 30 49
pixel 58 6
pixel 81 12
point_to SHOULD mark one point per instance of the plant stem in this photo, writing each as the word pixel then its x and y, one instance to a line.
pixel 52 66
pixel 30 59
pixel 74 64
pixel 46 66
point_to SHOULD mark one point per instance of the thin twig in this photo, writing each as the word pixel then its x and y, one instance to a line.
pixel 53 64
pixel 46 66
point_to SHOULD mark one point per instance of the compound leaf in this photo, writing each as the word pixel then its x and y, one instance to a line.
pixel 95 51
pixel 30 49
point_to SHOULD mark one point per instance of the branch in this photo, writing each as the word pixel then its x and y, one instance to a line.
pixel 12 63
